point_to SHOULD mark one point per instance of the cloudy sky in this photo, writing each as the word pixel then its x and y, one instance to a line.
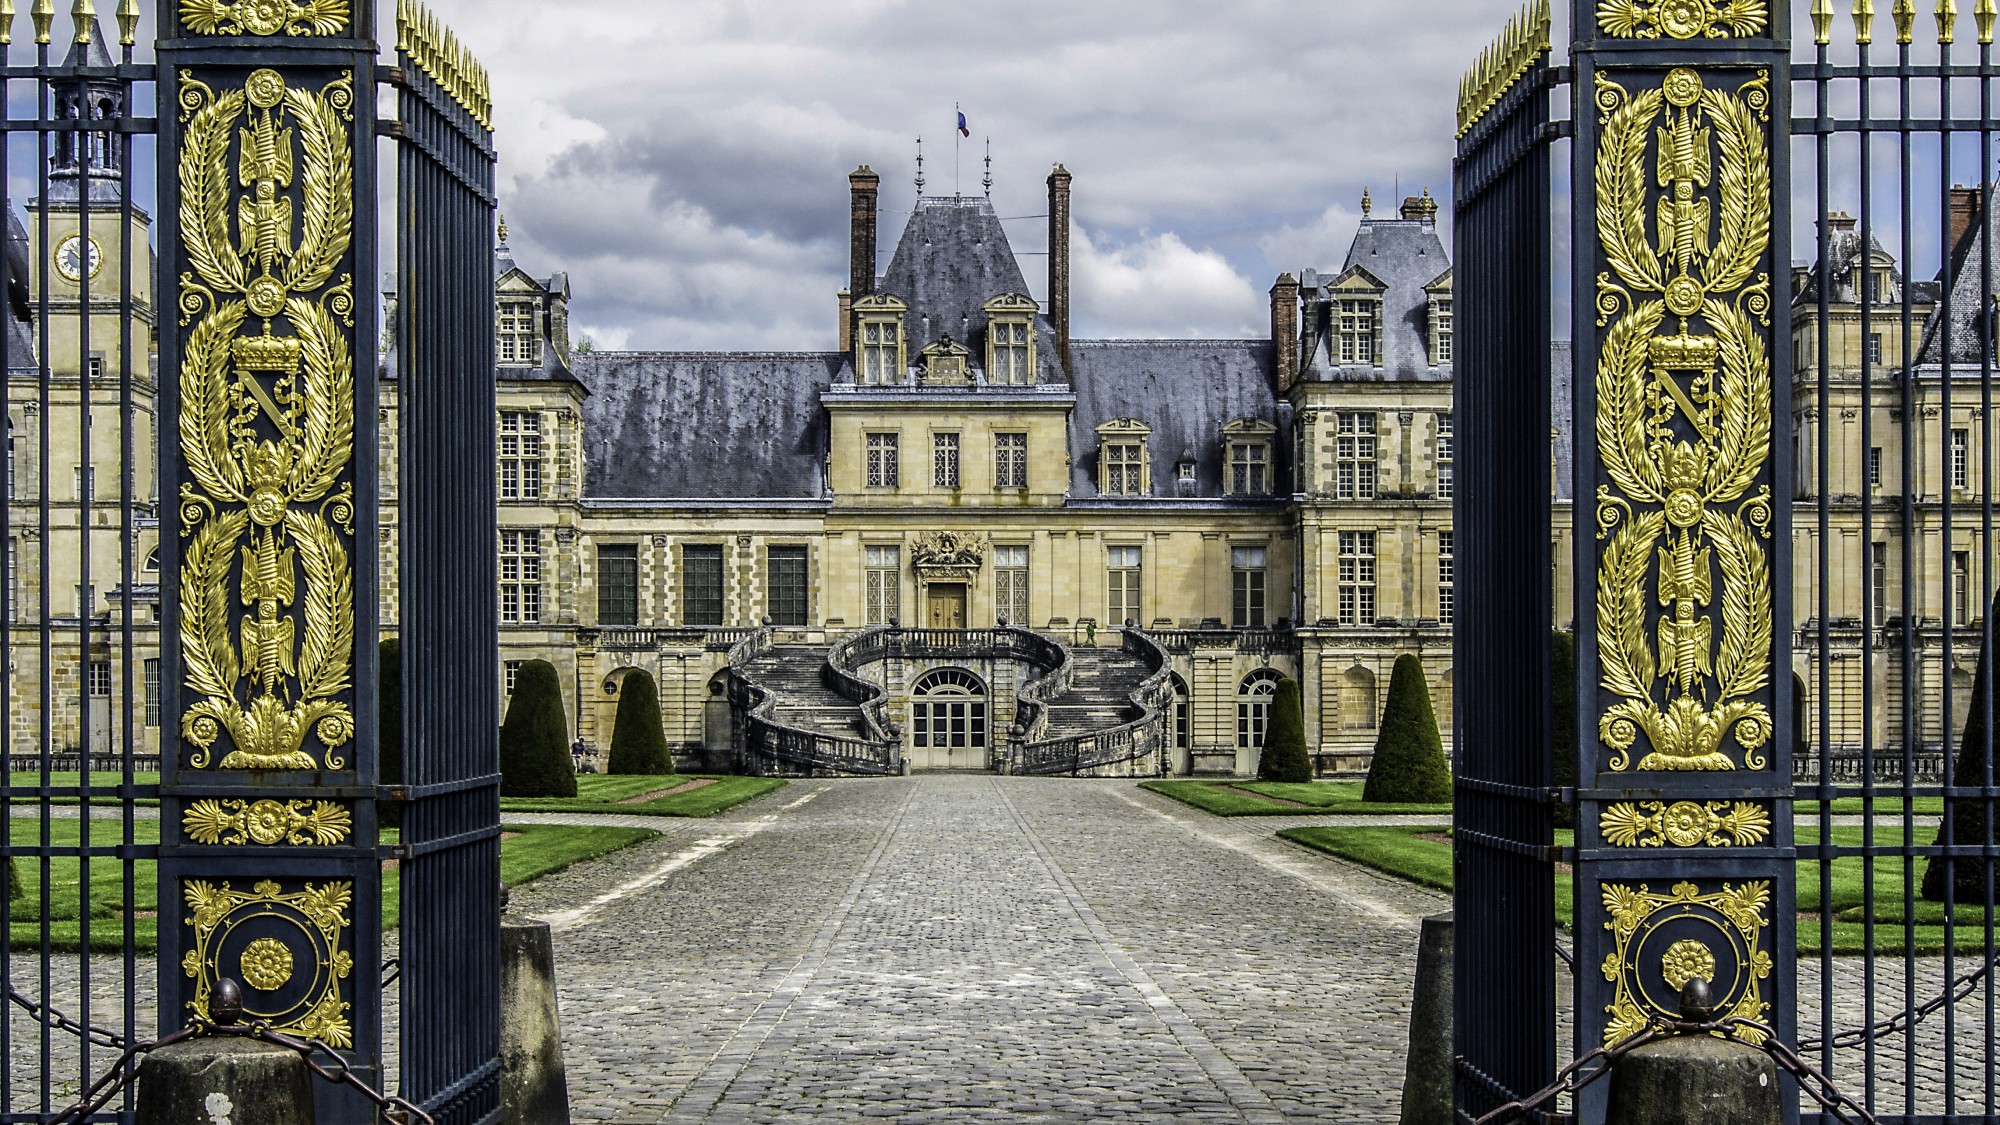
pixel 685 162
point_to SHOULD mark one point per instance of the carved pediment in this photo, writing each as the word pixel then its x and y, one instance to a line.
pixel 958 552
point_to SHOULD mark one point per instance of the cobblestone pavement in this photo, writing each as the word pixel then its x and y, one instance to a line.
pixel 972 948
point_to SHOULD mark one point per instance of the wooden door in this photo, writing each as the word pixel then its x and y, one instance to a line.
pixel 947 605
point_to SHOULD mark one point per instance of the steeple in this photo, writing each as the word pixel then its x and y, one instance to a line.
pixel 87 99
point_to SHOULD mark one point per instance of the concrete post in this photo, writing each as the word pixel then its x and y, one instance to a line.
pixel 1427 1077
pixel 534 1088
pixel 1695 1078
pixel 225 1080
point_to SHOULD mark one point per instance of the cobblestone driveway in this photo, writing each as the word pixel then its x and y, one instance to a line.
pixel 972 948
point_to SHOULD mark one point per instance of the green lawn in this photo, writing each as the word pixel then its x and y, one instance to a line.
pixel 1403 852
pixel 603 793
pixel 537 850
pixel 1224 798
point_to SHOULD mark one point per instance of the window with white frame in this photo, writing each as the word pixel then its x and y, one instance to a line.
pixel 1124 468
pixel 1010 460
pixel 517 333
pixel 1010 584
pixel 1253 708
pixel 1357 578
pixel 884 465
pixel 944 460
pixel 1961 587
pixel 152 713
pixel 1961 459
pixel 1875 466
pixel 520 577
pixel 1445 436
pixel 882 584
pixel 1447 574
pixel 1355 331
pixel 881 350
pixel 1124 585
pixel 1246 579
pixel 510 673
pixel 1441 332
pixel 520 455
pixel 100 678
pixel 1878 582
pixel 1354 456
pixel 1250 468
pixel 1007 341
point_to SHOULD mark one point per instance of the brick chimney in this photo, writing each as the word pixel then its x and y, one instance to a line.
pixel 1285 331
pixel 846 321
pixel 1840 222
pixel 1421 209
pixel 863 185
pixel 1964 213
pixel 1059 262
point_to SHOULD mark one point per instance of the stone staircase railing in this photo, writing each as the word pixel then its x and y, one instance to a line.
pixel 1122 750
pixel 767 744
pixel 842 672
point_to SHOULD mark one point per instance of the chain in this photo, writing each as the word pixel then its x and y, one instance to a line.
pixel 1964 986
pixel 1582 1073
pixel 392 971
pixel 49 1015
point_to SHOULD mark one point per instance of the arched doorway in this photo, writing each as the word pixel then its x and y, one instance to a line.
pixel 1183 736
pixel 1253 709
pixel 948 721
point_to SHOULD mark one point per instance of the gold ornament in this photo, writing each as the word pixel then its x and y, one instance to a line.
pixel 434 49
pixel 1686 960
pixel 1684 824
pixel 265 17
pixel 267 822
pixel 267 510
pixel 315 917
pixel 1524 43
pixel 1684 420
pixel 1682 19
pixel 267 964
pixel 1734 918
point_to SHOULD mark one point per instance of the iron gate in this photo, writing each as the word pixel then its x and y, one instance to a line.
pixel 1758 439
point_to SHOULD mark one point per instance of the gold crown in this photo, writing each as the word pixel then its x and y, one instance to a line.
pixel 268 353
pixel 1683 352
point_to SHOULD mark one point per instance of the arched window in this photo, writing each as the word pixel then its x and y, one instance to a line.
pixel 1183 719
pixel 948 710
pixel 1253 707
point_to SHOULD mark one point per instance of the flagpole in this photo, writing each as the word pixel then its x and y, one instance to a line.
pixel 957 135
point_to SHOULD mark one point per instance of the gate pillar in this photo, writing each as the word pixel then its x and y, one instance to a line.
pixel 1683 541
pixel 268 868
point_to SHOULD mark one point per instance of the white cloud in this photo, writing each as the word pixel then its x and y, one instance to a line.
pixel 1159 286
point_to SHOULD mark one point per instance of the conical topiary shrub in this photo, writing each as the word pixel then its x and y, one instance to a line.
pixel 1562 719
pixel 389 728
pixel 1284 757
pixel 638 744
pixel 534 741
pixel 1968 818
pixel 1409 763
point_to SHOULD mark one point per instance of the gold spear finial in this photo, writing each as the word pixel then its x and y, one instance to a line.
pixel 503 230
pixel 1366 204
pixel 128 22
pixel 1904 12
pixel 1983 13
pixel 1864 21
pixel 44 14
pixel 81 14
pixel 1947 20
pixel 6 22
pixel 1822 17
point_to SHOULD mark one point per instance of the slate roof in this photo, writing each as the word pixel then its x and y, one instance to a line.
pixel 1405 255
pixel 1186 391
pixel 954 257
pixel 20 319
pixel 1843 247
pixel 705 425
pixel 1972 282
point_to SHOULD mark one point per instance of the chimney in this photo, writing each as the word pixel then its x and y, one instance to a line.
pixel 1964 213
pixel 1059 262
pixel 1840 222
pixel 1421 209
pixel 862 186
pixel 846 321
pixel 1285 331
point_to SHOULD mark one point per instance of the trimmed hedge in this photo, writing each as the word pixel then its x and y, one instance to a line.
pixel 1968 818
pixel 534 741
pixel 638 742
pixel 389 729
pixel 1284 757
pixel 1409 762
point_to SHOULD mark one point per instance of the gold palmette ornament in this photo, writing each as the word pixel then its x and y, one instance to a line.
pixel 1683 425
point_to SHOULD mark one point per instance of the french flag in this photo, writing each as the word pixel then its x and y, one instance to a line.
pixel 964 130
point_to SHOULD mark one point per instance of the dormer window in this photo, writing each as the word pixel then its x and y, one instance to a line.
pixel 879 332
pixel 1010 340
pixel 518 345
pixel 1355 335
pixel 1248 444
pixel 1121 458
pixel 1438 296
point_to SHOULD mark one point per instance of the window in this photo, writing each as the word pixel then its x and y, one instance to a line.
pixel 86 483
pixel 1010 460
pixel 100 678
pixel 1250 468
pixel 86 599
pixel 1246 571
pixel 948 711
pixel 1354 457
pixel 517 332
pixel 1441 330
pixel 1009 343
pixel 1878 581
pixel 510 672
pixel 617 584
pixel 1961 459
pixel 520 577
pixel 884 468
pixel 1875 466
pixel 1874 347
pixel 1253 708
pixel 13 580
pixel 1445 435
pixel 789 597
pixel 1122 595
pixel 944 460
pixel 520 455
pixel 881 351
pixel 1357 578
pixel 1961 588
pixel 152 672
pixel 1446 575
pixel 883 584
pixel 1124 462
pixel 701 585
pixel 1356 332
pixel 1010 585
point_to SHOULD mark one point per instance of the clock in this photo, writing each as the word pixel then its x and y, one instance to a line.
pixel 77 255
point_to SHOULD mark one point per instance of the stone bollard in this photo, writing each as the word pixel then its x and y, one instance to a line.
pixel 225 1080
pixel 1427 1074
pixel 534 1089
pixel 1695 1078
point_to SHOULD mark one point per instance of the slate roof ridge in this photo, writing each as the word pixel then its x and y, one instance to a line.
pixel 1170 341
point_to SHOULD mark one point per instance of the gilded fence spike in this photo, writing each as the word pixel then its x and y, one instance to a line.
pixel 43 13
pixel 128 22
pixel 1822 18
pixel 1499 65
pixel 1864 21
pixel 1904 12
pixel 6 23
pixel 1983 14
pixel 1947 20
pixel 82 14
